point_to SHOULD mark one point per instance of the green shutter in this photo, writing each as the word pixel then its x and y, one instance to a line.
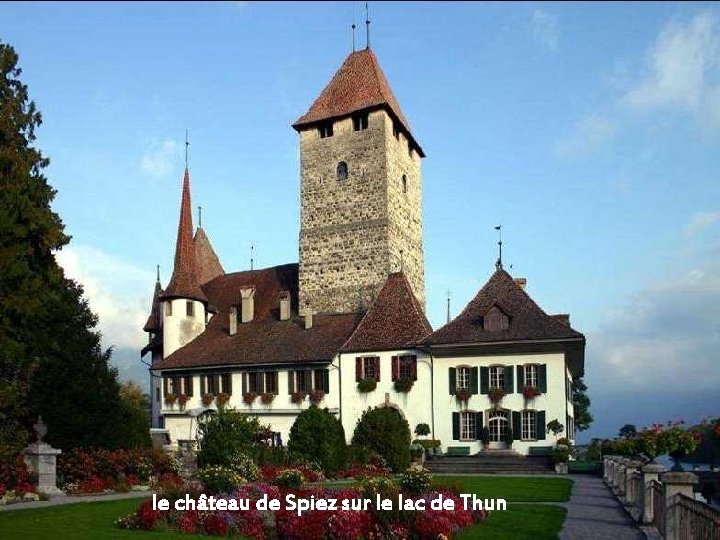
pixel 326 381
pixel 484 380
pixel 453 380
pixel 478 425
pixel 542 377
pixel 520 379
pixel 291 382
pixel 540 425
pixel 474 380
pixel 228 380
pixel 189 386
pixel 509 380
pixel 456 426
pixel 516 425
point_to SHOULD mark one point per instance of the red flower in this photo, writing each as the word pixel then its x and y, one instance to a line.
pixel 147 516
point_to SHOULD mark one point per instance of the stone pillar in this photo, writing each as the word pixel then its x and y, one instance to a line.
pixel 631 468
pixel 607 463
pixel 619 483
pixel 650 473
pixel 41 459
pixel 676 483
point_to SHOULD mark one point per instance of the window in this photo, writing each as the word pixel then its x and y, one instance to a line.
pixel 360 121
pixel 396 131
pixel 497 377
pixel 498 425
pixel 410 150
pixel 188 385
pixel 157 394
pixel 495 320
pixel 463 378
pixel 168 308
pixel 255 382
pixel 190 309
pixel 531 378
pixel 303 381
pixel 404 183
pixel 321 380
pixel 271 382
pixel 325 130
pixel 367 367
pixel 467 426
pixel 213 384
pixel 529 426
pixel 407 368
pixel 342 171
pixel 227 383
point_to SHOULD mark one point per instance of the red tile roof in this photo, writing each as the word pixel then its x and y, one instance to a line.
pixel 208 263
pixel 359 84
pixel 395 320
pixel 527 321
pixel 153 321
pixel 266 339
pixel 184 281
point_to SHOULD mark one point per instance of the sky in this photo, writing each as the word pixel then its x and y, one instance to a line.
pixel 590 131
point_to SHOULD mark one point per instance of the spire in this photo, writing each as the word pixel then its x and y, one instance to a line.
pixel 498 263
pixel 152 323
pixel 184 280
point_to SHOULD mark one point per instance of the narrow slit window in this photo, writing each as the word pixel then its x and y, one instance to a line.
pixel 190 309
pixel 360 122
pixel 326 130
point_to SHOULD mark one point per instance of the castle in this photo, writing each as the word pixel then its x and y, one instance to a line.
pixel 346 327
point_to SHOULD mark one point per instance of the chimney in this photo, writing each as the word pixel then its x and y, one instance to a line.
pixel 308 318
pixel 233 321
pixel 284 305
pixel 563 318
pixel 521 281
pixel 247 307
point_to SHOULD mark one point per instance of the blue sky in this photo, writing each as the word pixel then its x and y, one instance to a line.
pixel 590 131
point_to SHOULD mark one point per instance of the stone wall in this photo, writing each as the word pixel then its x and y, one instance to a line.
pixel 353 230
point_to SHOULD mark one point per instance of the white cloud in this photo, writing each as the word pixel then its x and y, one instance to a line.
pixel 702 221
pixel 589 135
pixel 118 292
pixel 159 158
pixel 545 29
pixel 681 72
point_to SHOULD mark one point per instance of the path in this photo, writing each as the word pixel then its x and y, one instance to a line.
pixel 594 512
pixel 60 500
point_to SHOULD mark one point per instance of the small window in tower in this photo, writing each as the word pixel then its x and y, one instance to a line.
pixel 404 183
pixel 342 171
pixel 326 130
pixel 168 308
pixel 410 150
pixel 360 121
pixel 396 131
pixel 190 309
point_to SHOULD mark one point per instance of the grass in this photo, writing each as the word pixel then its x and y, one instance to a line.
pixel 514 488
pixel 519 522
pixel 79 521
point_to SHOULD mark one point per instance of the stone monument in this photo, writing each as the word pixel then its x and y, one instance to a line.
pixel 41 459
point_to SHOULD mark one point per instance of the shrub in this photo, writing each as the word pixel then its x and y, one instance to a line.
pixel 416 481
pixel 219 479
pixel 416 450
pixel 428 443
pixel 366 385
pixel 245 467
pixel 318 436
pixel 383 430
pixel 290 478
pixel 561 454
pixel 422 430
pixel 383 485
pixel 226 434
pixel 403 385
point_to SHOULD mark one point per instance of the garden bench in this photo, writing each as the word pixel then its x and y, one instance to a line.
pixel 458 451
pixel 540 450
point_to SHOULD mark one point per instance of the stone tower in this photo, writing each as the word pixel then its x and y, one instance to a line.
pixel 360 192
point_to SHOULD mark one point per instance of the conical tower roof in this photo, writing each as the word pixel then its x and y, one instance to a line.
pixel 208 263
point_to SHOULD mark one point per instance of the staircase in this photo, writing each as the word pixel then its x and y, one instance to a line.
pixel 491 462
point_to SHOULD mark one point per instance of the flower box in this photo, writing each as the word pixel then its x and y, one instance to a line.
pixel 463 396
pixel 267 398
pixel 170 400
pixel 208 399
pixel 366 385
pixel 530 392
pixel 249 398
pixel 496 395
pixel 298 397
pixel 182 401
pixel 222 399
pixel 403 385
pixel 316 396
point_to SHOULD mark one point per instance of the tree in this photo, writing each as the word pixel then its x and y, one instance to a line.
pixel 422 430
pixel 555 427
pixel 51 361
pixel 318 436
pixel 581 403
pixel 225 435
pixel 628 431
pixel 384 431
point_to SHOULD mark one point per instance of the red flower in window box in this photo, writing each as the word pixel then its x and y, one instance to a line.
pixel 316 396
pixel 182 400
pixel 496 395
pixel 462 395
pixel 298 397
pixel 170 400
pixel 531 392
pixel 248 398
pixel 222 399
pixel 207 399
pixel 267 398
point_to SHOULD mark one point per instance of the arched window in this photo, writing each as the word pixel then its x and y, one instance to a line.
pixel 342 171
pixel 404 183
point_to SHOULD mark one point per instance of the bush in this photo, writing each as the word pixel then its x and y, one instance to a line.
pixel 317 435
pixel 219 479
pixel 383 485
pixel 245 467
pixel 561 454
pixel 428 443
pixel 225 435
pixel 416 450
pixel 290 478
pixel 416 481
pixel 422 430
pixel 383 430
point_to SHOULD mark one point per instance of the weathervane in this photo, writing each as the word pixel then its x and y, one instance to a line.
pixel 353 27
pixel 252 252
pixel 187 143
pixel 199 216
pixel 498 264
pixel 447 292
pixel 367 26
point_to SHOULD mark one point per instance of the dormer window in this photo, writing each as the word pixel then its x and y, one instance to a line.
pixel 325 130
pixel 495 320
pixel 360 121
pixel 190 309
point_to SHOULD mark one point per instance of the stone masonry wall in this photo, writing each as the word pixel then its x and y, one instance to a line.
pixel 352 230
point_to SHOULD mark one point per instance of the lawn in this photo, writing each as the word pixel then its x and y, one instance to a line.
pixel 514 488
pixel 519 522
pixel 78 521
